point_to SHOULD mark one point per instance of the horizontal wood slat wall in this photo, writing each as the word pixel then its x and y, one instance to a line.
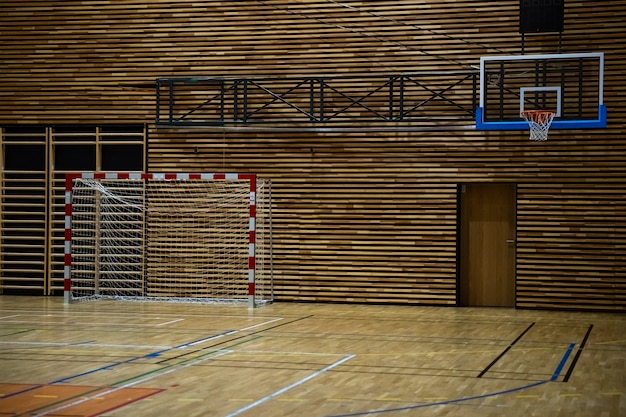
pixel 571 242
pixel 359 216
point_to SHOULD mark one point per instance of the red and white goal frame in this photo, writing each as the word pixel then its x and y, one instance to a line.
pixel 251 179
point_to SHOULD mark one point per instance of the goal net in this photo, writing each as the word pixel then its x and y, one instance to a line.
pixel 175 237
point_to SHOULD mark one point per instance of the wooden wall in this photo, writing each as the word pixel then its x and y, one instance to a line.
pixel 363 216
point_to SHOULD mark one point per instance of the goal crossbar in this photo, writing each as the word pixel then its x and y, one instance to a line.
pixel 128 234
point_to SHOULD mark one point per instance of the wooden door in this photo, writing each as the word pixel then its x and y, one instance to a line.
pixel 487 246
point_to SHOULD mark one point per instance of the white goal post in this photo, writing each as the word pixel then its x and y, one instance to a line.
pixel 170 237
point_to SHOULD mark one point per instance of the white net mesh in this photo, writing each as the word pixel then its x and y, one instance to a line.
pixel 185 240
pixel 539 122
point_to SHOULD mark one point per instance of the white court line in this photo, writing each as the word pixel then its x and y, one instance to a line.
pixel 35 343
pixel 161 316
pixel 82 344
pixel 208 339
pixel 9 317
pixel 197 342
pixel 130 384
pixel 185 365
pixel 62 313
pixel 107 345
pixel 35 313
pixel 169 322
pixel 37 320
pixel 260 324
pixel 278 352
pixel 287 388
pixel 78 323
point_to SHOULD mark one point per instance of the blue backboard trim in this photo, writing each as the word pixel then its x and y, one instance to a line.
pixel 599 123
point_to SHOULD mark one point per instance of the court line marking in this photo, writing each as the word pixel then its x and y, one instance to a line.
pixel 79 323
pixel 149 355
pixel 129 346
pixel 130 384
pixel 37 343
pixel 206 339
pixel 582 345
pixel 107 345
pixel 115 323
pixel 169 322
pixel 261 324
pixel 610 342
pixel 113 365
pixel 278 352
pixel 554 377
pixel 448 402
pixel 504 352
pixel 289 387
pixel 138 378
pixel 146 356
pixel 17 332
pixel 161 315
pixel 83 344
pixel 561 364
pixel 152 374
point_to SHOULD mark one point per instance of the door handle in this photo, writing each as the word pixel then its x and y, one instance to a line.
pixel 510 241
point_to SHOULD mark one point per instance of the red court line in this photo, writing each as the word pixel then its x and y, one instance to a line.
pixel 48 397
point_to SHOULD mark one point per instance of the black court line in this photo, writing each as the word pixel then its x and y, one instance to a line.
pixel 484 371
pixel 213 346
pixel 578 353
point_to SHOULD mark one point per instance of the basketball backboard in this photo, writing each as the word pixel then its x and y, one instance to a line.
pixel 571 85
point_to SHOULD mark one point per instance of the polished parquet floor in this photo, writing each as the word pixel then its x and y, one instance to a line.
pixel 117 359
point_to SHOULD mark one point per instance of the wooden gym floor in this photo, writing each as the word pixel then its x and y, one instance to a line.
pixel 152 359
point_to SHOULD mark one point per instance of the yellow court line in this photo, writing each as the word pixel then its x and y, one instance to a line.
pixel 463 352
pixel 235 354
pixel 610 342
pixel 389 399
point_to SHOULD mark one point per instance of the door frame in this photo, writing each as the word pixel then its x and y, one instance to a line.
pixel 459 224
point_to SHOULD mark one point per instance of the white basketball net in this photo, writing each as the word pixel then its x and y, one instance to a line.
pixel 539 122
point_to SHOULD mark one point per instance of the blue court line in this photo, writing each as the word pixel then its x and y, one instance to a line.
pixel 113 365
pixel 561 364
pixel 554 377
pixel 458 400
pixel 149 355
pixel 579 352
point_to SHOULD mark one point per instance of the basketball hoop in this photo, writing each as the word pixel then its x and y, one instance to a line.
pixel 539 122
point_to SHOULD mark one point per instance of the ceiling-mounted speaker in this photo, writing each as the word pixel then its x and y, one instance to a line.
pixel 536 16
